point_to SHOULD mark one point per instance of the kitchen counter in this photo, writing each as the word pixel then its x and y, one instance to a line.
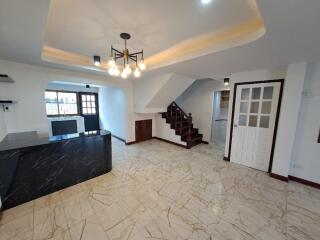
pixel 32 166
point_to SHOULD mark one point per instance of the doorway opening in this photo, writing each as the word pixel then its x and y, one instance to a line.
pixel 220 117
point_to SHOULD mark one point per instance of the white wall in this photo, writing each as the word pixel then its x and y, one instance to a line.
pixel 112 110
pixel 145 88
pixel 3 127
pixel 164 131
pixel 288 120
pixel 259 75
pixel 132 116
pixel 305 162
pixel 198 100
pixel 71 87
pixel 172 89
pixel 154 94
pixel 29 113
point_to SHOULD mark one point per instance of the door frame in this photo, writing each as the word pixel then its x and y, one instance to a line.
pixel 213 111
pixel 97 104
pixel 281 81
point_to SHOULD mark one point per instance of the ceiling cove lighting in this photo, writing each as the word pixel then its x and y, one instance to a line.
pixel 97 60
pixel 226 81
pixel 128 61
pixel 205 1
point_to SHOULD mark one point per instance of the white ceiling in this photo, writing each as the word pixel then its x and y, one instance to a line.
pixel 91 27
pixel 88 27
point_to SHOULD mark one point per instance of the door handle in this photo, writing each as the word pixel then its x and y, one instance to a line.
pixel 235 125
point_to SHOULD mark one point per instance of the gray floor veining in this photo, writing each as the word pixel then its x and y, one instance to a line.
pixel 160 191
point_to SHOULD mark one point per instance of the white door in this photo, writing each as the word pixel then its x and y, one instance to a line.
pixel 254 122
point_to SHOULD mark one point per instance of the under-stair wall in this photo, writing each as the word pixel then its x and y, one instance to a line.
pixel 198 100
pixel 155 94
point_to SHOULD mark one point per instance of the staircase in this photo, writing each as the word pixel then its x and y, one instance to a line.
pixel 182 124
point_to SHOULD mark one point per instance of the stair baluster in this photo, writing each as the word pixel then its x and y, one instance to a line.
pixel 182 123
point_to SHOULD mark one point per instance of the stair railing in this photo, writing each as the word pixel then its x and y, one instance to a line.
pixel 189 117
pixel 184 116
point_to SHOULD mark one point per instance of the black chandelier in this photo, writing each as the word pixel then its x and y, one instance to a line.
pixel 129 60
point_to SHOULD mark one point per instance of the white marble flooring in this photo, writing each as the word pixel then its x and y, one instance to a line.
pixel 160 191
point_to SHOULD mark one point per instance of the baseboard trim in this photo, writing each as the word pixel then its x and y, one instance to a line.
pixel 305 182
pixel 130 143
pixel 205 142
pixel 279 177
pixel 226 158
pixel 167 141
pixel 119 138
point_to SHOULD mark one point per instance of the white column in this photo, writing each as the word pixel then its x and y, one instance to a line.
pixel 288 120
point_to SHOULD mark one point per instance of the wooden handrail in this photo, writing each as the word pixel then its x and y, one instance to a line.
pixel 174 104
pixel 182 123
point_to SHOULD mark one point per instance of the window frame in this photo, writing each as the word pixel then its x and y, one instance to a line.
pixel 61 115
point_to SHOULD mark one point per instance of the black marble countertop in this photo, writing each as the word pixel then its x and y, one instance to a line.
pixel 29 139
pixel 32 166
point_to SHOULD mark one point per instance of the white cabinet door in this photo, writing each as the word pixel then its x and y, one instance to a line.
pixel 254 122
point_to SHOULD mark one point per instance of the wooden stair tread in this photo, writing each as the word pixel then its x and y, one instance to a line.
pixel 181 122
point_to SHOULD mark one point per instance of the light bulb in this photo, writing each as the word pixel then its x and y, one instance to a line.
pixel 127 69
pixel 205 1
pixel 137 73
pixel 112 63
pixel 112 71
pixel 116 71
pixel 124 75
pixel 142 66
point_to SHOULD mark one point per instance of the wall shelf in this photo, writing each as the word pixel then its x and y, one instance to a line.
pixel 5 104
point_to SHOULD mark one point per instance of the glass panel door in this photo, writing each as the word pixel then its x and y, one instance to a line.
pixel 88 106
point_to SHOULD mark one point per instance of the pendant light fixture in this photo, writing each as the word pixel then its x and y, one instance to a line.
pixel 130 62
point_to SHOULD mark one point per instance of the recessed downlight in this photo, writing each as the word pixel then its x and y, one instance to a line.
pixel 206 1
pixel 97 60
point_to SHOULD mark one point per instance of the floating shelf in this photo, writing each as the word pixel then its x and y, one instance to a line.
pixel 4 78
pixel 7 102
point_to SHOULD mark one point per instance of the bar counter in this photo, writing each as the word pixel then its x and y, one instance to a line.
pixel 32 166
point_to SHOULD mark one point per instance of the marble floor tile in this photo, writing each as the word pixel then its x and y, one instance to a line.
pixel 17 228
pixel 161 191
pixel 17 212
pixel 77 208
pixel 88 229
pixel 49 222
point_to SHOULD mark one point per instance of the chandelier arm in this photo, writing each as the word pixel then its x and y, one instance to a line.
pixel 118 56
pixel 133 59
pixel 117 51
pixel 137 53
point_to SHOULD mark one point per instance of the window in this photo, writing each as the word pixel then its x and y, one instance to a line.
pixel 88 103
pixel 61 103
